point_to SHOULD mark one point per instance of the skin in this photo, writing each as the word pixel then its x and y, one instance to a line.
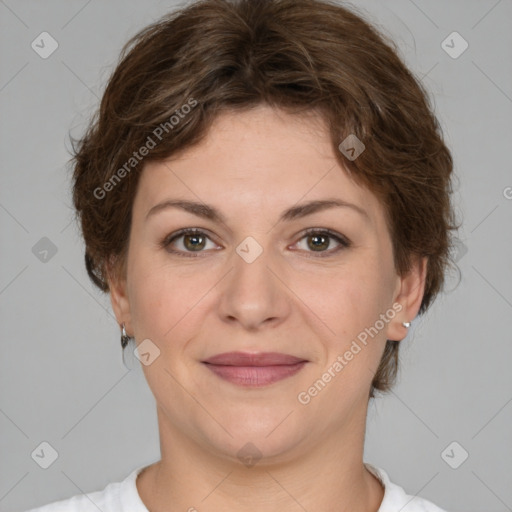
pixel 252 166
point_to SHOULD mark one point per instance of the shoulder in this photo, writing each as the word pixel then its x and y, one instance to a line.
pixel 115 497
pixel 395 497
pixel 103 500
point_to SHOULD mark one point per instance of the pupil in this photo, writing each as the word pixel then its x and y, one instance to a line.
pixel 194 238
pixel 316 238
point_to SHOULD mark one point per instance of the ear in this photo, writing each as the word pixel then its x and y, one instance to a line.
pixel 411 288
pixel 119 298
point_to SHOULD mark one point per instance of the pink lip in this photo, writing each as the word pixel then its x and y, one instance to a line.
pixel 254 359
pixel 254 370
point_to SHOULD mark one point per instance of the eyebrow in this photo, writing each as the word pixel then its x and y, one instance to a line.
pixel 295 212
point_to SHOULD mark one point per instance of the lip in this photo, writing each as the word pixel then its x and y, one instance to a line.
pixel 253 359
pixel 254 369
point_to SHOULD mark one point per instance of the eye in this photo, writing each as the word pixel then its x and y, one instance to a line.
pixel 319 240
pixel 193 241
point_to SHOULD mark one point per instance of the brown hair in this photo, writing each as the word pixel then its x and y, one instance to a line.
pixel 298 55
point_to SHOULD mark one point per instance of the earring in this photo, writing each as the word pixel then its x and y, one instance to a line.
pixel 124 337
pixel 406 324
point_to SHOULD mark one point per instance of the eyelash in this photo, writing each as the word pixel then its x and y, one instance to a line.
pixel 344 242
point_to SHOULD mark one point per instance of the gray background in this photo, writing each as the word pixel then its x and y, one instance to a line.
pixel 62 379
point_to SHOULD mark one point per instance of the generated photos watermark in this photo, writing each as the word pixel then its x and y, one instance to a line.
pixel 150 143
pixel 304 397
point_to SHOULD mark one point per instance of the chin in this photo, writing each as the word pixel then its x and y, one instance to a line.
pixel 256 439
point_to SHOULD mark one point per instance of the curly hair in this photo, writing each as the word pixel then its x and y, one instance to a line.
pixel 179 73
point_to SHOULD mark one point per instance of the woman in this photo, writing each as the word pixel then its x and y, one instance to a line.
pixel 265 195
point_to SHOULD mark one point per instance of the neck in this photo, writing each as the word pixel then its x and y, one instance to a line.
pixel 328 476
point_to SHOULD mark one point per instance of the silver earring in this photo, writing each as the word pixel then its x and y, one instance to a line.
pixel 406 324
pixel 124 337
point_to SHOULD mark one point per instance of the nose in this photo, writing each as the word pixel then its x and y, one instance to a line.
pixel 254 294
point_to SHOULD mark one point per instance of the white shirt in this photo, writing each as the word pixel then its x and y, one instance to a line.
pixel 124 497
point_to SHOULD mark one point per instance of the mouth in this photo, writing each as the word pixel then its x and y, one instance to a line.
pixel 256 369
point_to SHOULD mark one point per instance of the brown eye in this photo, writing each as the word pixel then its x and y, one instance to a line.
pixel 319 241
pixel 186 242
pixel 194 242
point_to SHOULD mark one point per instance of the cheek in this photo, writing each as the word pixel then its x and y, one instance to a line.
pixel 165 300
pixel 345 299
pixel 347 303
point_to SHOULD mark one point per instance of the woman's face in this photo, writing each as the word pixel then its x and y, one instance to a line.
pixel 256 282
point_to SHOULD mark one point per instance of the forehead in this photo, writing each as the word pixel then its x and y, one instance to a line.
pixel 260 158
